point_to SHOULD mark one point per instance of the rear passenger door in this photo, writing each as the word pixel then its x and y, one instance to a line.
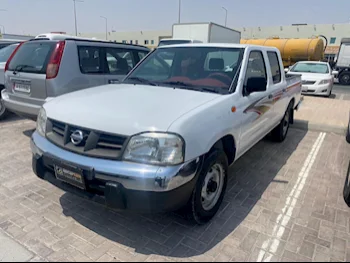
pixel 277 87
pixel 119 63
pixel 92 65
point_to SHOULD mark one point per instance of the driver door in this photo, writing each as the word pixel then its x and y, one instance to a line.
pixel 258 109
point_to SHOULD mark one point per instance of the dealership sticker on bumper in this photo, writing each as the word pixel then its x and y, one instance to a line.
pixel 73 178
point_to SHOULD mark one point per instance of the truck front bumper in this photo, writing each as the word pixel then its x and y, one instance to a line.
pixel 117 184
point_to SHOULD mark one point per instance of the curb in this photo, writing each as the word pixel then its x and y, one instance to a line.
pixel 305 125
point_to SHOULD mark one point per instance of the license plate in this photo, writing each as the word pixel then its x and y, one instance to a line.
pixel 74 178
pixel 21 88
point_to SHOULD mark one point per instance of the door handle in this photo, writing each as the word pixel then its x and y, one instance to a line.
pixel 284 90
pixel 270 96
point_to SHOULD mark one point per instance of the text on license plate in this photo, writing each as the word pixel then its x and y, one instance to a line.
pixel 21 88
pixel 70 177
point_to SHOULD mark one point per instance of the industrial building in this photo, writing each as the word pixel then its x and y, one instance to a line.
pixel 333 32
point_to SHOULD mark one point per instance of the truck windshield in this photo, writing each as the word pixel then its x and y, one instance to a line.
pixel 310 68
pixel 208 69
pixel 173 42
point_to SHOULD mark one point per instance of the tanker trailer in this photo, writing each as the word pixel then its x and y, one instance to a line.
pixel 293 49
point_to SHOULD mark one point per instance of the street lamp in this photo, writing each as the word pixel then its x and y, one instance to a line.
pixel 75 15
pixel 3 31
pixel 226 11
pixel 105 18
pixel 179 11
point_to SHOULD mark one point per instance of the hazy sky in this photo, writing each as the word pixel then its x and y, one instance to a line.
pixel 39 16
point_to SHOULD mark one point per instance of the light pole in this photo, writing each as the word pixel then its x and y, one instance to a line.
pixel 3 32
pixel 3 27
pixel 226 11
pixel 179 12
pixel 75 15
pixel 105 18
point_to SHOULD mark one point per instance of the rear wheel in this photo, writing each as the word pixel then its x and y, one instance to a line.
pixel 344 78
pixel 3 111
pixel 210 189
pixel 279 134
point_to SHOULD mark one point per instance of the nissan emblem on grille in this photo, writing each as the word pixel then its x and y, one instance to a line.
pixel 77 137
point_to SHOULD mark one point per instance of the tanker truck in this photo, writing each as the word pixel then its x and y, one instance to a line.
pixel 293 49
pixel 342 63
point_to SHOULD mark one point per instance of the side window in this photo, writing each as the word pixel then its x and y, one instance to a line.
pixel 275 67
pixel 90 60
pixel 256 67
pixel 141 54
pixel 159 67
pixel 119 61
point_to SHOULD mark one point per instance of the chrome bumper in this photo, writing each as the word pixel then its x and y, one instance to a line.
pixel 132 176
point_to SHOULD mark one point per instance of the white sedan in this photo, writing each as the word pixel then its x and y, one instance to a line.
pixel 317 77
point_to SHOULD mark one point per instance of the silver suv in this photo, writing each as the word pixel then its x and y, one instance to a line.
pixel 41 69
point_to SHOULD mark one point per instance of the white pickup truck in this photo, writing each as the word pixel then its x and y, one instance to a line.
pixel 163 139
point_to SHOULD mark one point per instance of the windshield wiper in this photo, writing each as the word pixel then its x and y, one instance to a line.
pixel 178 83
pixel 142 80
pixel 189 86
pixel 20 67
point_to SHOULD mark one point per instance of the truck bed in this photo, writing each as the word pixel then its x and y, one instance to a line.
pixel 292 79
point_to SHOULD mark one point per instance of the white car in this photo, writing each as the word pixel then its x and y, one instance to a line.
pixel 164 138
pixel 5 53
pixel 317 77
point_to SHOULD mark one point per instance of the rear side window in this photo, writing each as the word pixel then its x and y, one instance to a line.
pixel 90 60
pixel 119 61
pixel 32 57
pixel 275 67
pixel 6 52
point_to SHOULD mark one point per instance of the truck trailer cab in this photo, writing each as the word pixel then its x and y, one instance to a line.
pixel 342 64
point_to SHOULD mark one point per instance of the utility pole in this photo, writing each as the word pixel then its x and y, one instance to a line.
pixel 3 31
pixel 75 15
pixel 105 18
pixel 226 11
pixel 179 21
pixel 3 10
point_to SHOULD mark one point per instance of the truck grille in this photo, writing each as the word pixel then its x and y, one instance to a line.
pixel 91 143
pixel 308 82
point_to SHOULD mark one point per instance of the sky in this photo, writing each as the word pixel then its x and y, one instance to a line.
pixel 42 16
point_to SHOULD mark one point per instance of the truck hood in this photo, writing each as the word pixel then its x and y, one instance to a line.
pixel 2 73
pixel 125 108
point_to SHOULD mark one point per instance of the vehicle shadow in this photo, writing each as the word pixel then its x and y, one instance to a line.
pixel 29 133
pixel 11 117
pixel 248 193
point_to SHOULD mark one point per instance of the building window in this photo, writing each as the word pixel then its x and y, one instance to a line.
pixel 124 41
pixel 152 42
pixel 333 40
pixel 131 41
pixel 136 42
pixel 146 42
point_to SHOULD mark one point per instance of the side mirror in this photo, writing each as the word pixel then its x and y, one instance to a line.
pixel 335 73
pixel 286 70
pixel 255 84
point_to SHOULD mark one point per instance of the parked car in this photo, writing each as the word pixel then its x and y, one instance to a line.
pixel 317 77
pixel 5 53
pixel 164 138
pixel 6 42
pixel 44 68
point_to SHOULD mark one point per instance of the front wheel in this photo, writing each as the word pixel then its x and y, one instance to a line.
pixel 210 189
pixel 344 78
pixel 279 134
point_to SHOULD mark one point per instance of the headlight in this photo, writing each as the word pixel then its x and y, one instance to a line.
pixel 41 122
pixel 155 148
pixel 325 81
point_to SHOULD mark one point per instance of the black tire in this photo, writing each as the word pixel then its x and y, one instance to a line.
pixel 195 209
pixel 329 93
pixel 344 78
pixel 279 134
pixel 3 111
pixel 346 192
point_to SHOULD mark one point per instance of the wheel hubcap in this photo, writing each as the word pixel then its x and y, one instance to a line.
pixel 213 186
pixel 346 79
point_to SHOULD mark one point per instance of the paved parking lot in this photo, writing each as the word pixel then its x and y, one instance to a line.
pixel 284 203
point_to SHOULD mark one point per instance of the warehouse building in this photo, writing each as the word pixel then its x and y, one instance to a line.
pixel 333 32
